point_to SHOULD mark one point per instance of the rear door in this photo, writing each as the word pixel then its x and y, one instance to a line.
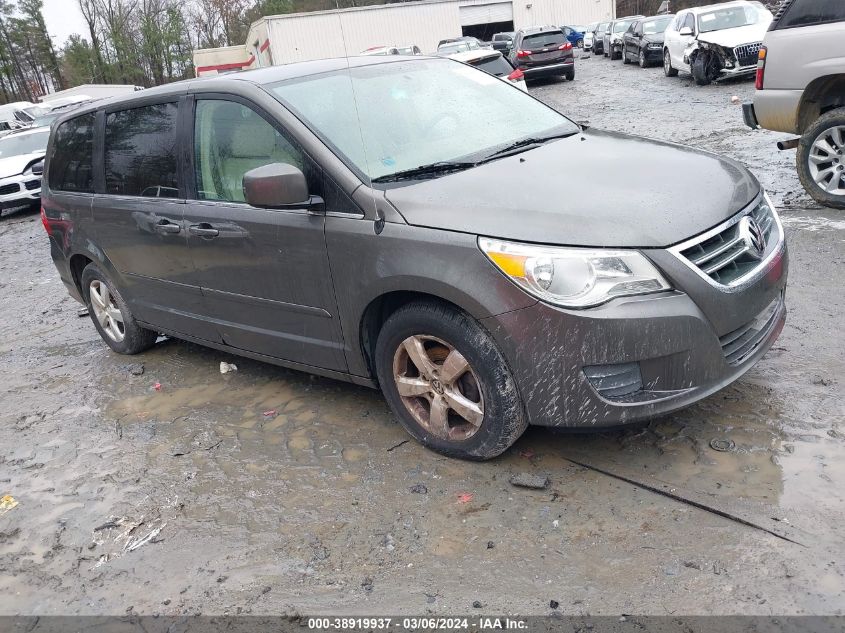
pixel 264 272
pixel 138 216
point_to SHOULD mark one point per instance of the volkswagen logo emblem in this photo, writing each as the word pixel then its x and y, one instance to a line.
pixel 752 237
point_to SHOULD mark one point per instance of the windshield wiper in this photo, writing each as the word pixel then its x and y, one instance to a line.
pixel 425 171
pixel 523 144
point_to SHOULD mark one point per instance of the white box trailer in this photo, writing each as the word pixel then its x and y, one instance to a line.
pixel 94 91
pixel 282 39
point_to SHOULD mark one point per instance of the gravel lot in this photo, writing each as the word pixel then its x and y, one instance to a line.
pixel 191 500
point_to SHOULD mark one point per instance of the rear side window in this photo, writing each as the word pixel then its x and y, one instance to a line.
pixel 809 12
pixel 71 165
pixel 543 40
pixel 140 151
pixel 494 65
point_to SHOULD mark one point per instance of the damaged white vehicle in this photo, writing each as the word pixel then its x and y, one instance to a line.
pixel 716 41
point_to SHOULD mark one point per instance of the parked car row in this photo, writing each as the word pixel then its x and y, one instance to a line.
pixel 709 42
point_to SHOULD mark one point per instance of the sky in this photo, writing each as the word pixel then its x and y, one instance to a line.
pixel 63 19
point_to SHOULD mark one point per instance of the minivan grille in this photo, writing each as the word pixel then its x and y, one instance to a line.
pixel 742 342
pixel 746 54
pixel 726 256
pixel 10 188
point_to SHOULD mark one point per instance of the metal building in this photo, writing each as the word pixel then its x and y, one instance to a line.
pixel 282 39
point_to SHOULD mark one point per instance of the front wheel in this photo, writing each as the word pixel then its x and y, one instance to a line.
pixel 700 69
pixel 667 65
pixel 642 59
pixel 447 382
pixel 821 159
pixel 111 316
pixel 579 44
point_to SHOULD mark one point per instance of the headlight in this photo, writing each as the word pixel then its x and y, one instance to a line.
pixel 574 277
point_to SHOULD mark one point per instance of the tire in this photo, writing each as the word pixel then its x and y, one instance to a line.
pixel 625 59
pixel 486 381
pixel 579 44
pixel 135 339
pixel 668 70
pixel 699 70
pixel 570 75
pixel 642 60
pixel 596 50
pixel 825 129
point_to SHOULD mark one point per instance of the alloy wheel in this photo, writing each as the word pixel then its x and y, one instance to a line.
pixel 642 58
pixel 827 160
pixel 106 311
pixel 438 387
pixel 667 63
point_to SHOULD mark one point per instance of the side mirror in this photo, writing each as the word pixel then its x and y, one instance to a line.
pixel 279 186
pixel 38 168
pixel 685 31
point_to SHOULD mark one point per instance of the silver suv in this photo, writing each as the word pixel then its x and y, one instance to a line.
pixel 801 89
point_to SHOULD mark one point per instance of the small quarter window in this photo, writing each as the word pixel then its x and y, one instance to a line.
pixel 809 12
pixel 71 165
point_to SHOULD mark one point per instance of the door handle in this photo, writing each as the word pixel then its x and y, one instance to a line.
pixel 167 227
pixel 203 229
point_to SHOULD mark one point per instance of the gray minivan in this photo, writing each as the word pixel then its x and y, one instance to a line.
pixel 389 222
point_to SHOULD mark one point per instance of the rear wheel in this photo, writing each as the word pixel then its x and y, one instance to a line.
pixel 447 382
pixel 570 75
pixel 111 316
pixel 821 159
pixel 668 70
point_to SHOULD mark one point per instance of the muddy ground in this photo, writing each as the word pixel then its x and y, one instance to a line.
pixel 191 500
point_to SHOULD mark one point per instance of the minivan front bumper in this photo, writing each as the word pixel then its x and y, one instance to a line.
pixel 640 357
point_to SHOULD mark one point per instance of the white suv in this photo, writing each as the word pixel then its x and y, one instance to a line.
pixel 801 90
pixel 715 41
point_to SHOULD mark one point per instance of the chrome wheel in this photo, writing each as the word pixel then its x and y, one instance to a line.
pixel 438 387
pixel 827 160
pixel 106 311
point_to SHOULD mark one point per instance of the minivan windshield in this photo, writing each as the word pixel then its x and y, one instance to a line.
pixel 19 144
pixel 416 113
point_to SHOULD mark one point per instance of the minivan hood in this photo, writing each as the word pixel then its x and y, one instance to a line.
pixel 14 165
pixel 729 38
pixel 592 189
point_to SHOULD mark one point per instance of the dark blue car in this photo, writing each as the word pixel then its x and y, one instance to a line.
pixel 575 34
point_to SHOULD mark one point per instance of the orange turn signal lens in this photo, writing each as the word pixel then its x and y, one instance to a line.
pixel 513 265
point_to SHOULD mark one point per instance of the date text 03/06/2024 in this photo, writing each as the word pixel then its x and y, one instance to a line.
pixel 415 624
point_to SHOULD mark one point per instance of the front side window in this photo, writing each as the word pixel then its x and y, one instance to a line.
pixel 621 27
pixel 140 151
pixel 71 165
pixel 386 118
pixel 229 140
pixel 689 21
pixel 808 12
